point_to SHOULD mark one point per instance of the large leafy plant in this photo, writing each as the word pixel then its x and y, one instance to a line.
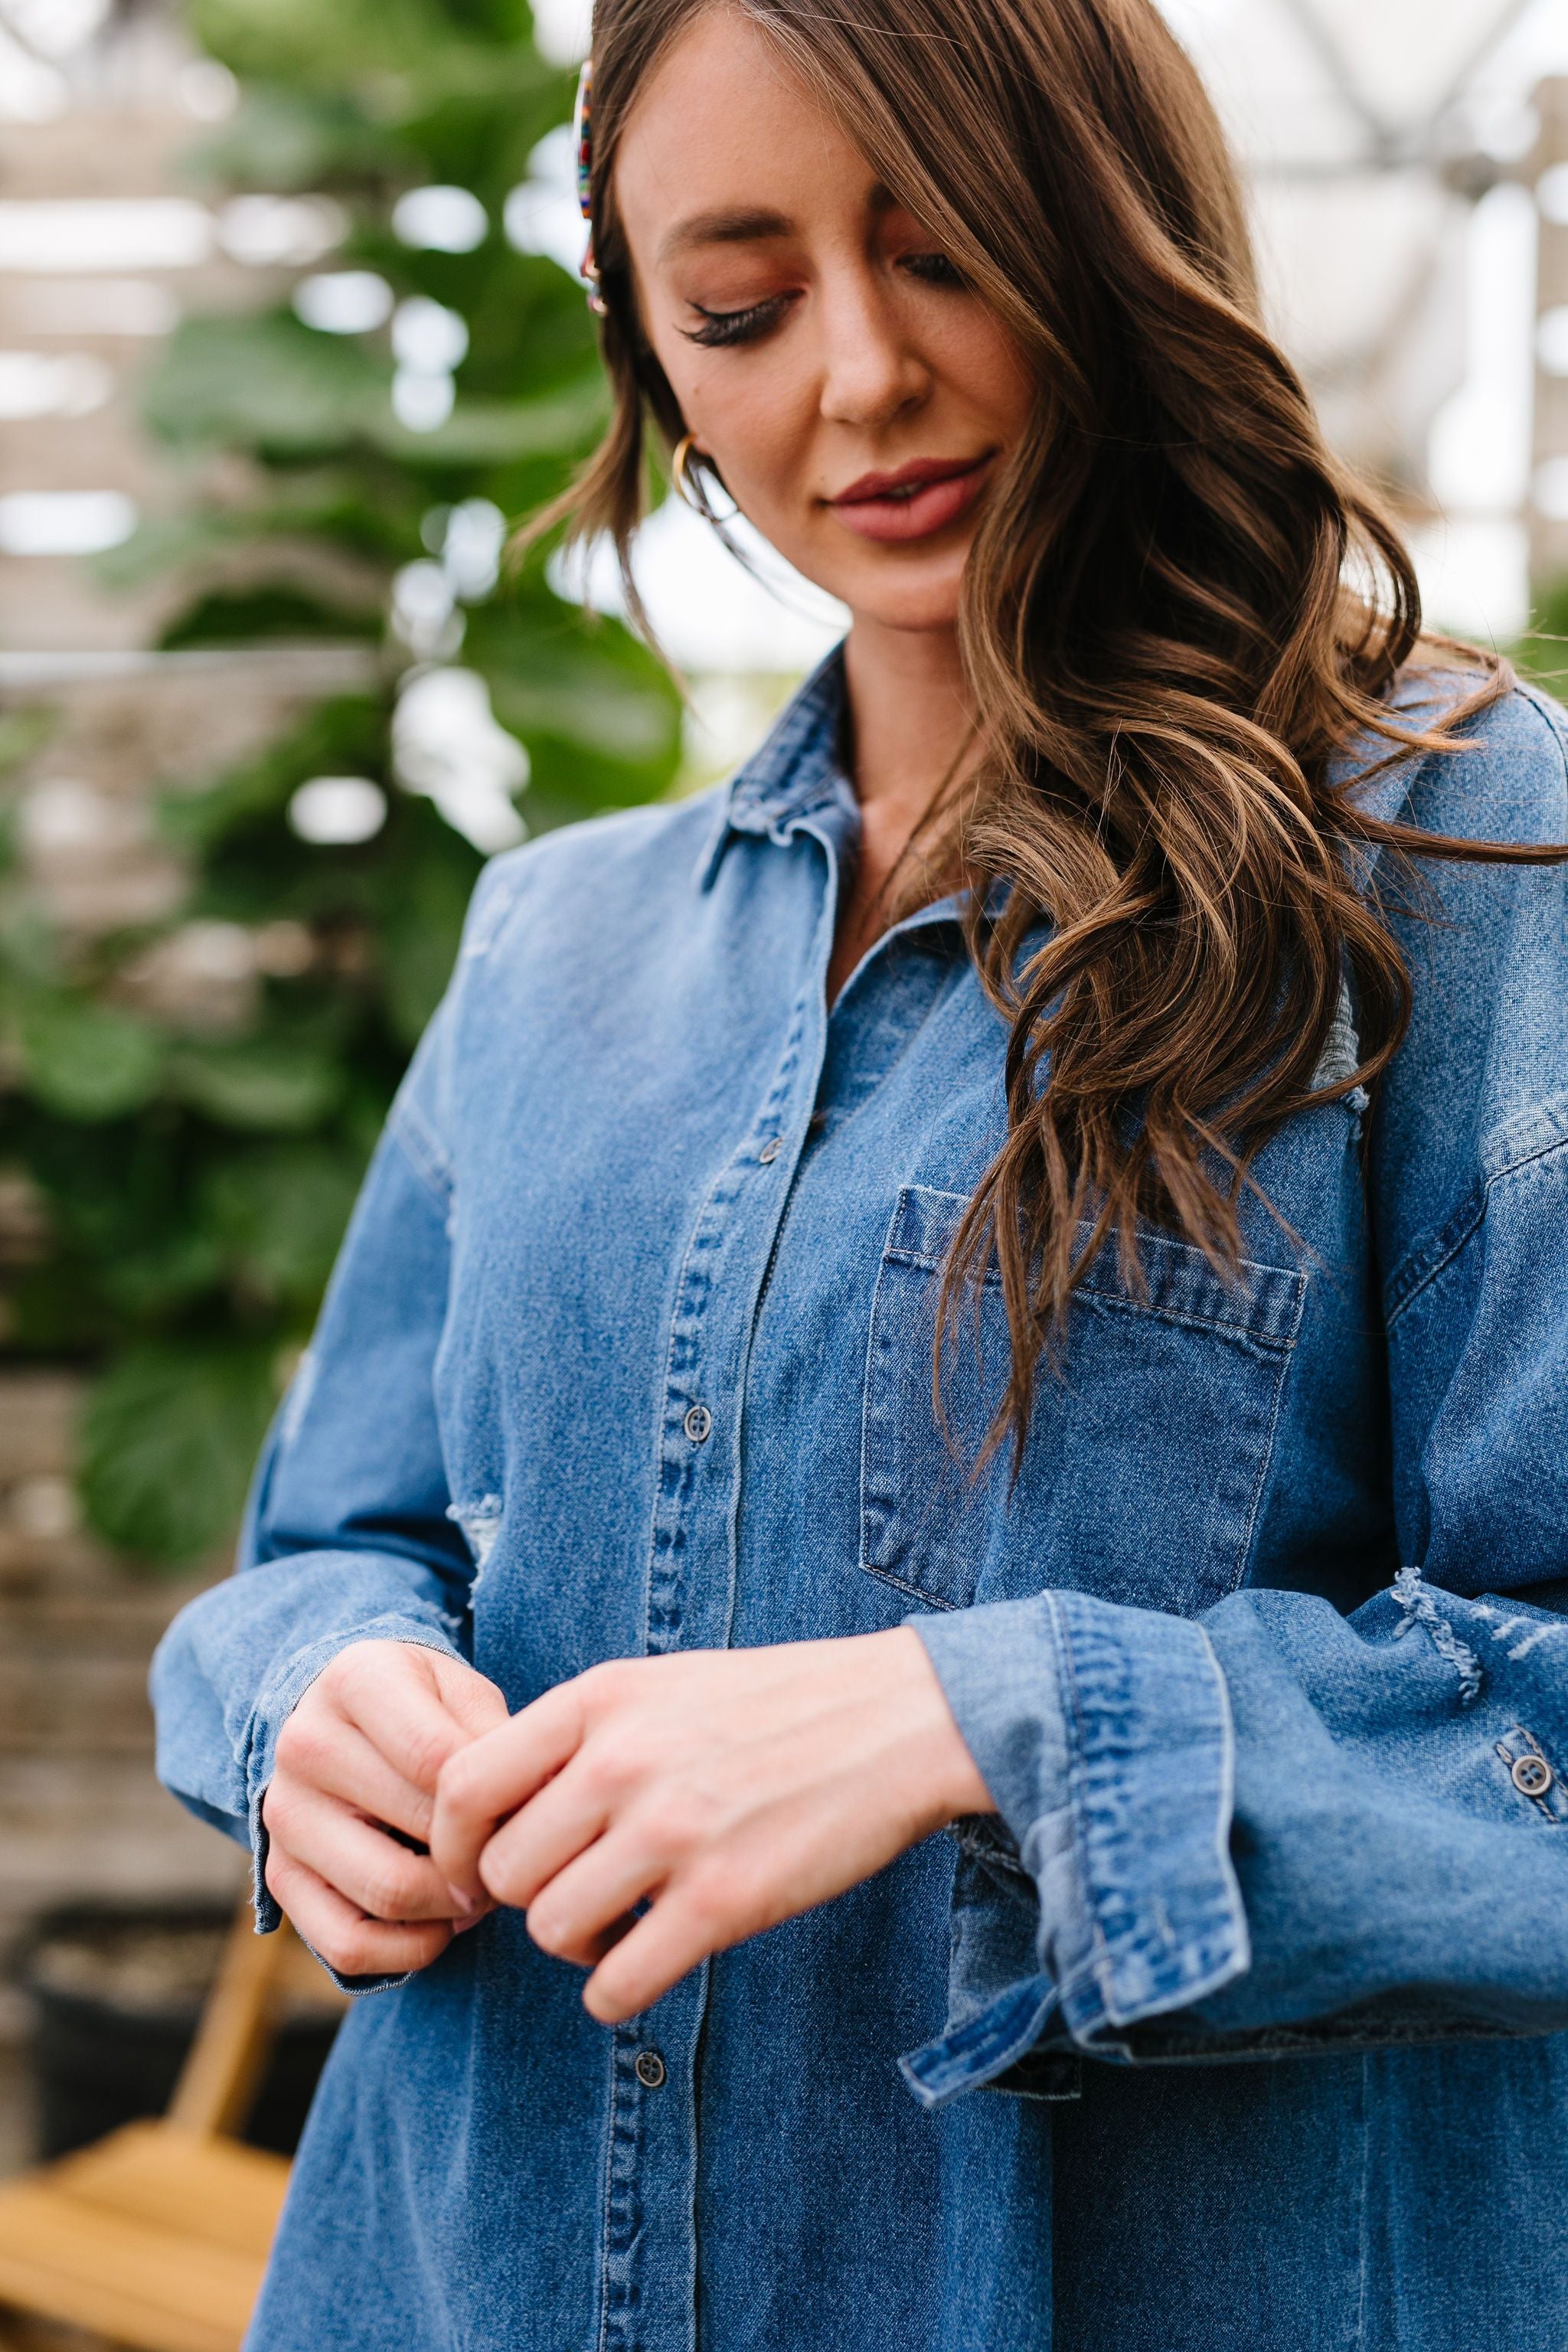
pixel 192 1179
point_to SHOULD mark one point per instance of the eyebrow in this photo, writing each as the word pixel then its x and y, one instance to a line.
pixel 735 226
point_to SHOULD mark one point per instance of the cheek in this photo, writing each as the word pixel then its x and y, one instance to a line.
pixel 980 361
pixel 755 418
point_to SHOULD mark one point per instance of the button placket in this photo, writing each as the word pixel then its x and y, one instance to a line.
pixel 649 2302
pixel 728 1246
pixel 649 2275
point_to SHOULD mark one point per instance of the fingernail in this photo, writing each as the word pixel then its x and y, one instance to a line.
pixel 462 1901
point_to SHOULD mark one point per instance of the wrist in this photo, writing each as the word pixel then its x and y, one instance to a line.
pixel 949 1777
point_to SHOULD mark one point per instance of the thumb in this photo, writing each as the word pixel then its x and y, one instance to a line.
pixel 470 1698
pixel 418 1706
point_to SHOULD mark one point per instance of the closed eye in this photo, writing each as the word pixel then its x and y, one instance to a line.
pixel 747 326
pixel 934 270
pixel 755 320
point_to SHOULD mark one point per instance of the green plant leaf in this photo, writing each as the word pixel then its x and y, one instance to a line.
pixel 230 616
pixel 23 731
pixel 1541 654
pixel 165 543
pixel 420 905
pixel 586 698
pixel 402 55
pixel 281 1211
pixel 343 736
pixel 29 946
pixel 285 139
pixel 494 432
pixel 183 1268
pixel 257 1082
pixel 272 381
pixel 87 1061
pixel 168 1437
pixel 268 379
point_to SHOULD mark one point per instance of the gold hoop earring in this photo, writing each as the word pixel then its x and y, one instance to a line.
pixel 692 494
pixel 683 448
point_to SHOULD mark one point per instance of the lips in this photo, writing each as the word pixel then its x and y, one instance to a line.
pixel 908 481
pixel 918 500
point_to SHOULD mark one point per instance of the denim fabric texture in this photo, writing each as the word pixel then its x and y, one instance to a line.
pixel 1243 2022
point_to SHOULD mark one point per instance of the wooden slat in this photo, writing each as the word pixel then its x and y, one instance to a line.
pixel 305 1979
pixel 154 2238
pixel 228 2193
pixel 157 2236
pixel 138 2286
pixel 219 2077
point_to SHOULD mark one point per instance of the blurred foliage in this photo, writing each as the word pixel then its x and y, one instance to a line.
pixel 195 1181
pixel 1542 655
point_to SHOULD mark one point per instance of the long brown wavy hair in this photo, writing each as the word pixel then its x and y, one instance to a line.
pixel 1178 605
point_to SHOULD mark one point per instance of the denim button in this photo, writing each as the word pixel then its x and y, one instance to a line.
pixel 698 1421
pixel 1532 1776
pixel 650 2069
pixel 771 1149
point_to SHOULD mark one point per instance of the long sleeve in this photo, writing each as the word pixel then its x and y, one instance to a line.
pixel 348 1534
pixel 1273 1826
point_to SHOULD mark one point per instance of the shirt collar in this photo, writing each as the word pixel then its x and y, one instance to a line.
pixel 796 773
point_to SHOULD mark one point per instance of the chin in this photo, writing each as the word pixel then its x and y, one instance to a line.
pixel 916 596
pixel 912 609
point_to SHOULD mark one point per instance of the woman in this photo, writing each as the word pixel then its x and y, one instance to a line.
pixel 1001 1276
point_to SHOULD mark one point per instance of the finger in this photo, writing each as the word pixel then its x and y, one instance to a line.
pixel 405 1719
pixel 693 1917
pixel 380 1877
pixel 589 1900
pixel 494 1775
pixel 341 1935
pixel 471 1696
pixel 353 1771
pixel 554 1826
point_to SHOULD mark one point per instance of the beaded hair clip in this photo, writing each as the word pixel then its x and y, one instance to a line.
pixel 582 148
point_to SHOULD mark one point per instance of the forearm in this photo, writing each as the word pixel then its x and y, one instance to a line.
pixel 1242 1829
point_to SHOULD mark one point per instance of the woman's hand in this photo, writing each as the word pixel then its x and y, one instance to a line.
pixel 359 1754
pixel 733 1788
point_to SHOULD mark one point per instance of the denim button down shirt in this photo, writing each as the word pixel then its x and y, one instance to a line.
pixel 1241 2021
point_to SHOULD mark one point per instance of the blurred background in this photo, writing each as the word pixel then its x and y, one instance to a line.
pixel 290 334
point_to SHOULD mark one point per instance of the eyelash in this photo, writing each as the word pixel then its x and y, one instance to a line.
pixel 723 326
pixel 723 329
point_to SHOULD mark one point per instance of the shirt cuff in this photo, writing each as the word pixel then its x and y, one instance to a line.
pixel 272 1710
pixel 1104 1735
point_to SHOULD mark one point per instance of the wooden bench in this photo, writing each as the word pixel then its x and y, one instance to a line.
pixel 158 2235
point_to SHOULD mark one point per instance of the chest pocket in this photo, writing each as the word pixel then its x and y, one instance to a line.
pixel 1147 1451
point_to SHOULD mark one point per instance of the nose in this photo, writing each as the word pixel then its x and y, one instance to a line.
pixel 870 372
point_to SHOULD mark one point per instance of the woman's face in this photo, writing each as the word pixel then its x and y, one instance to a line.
pixel 856 397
